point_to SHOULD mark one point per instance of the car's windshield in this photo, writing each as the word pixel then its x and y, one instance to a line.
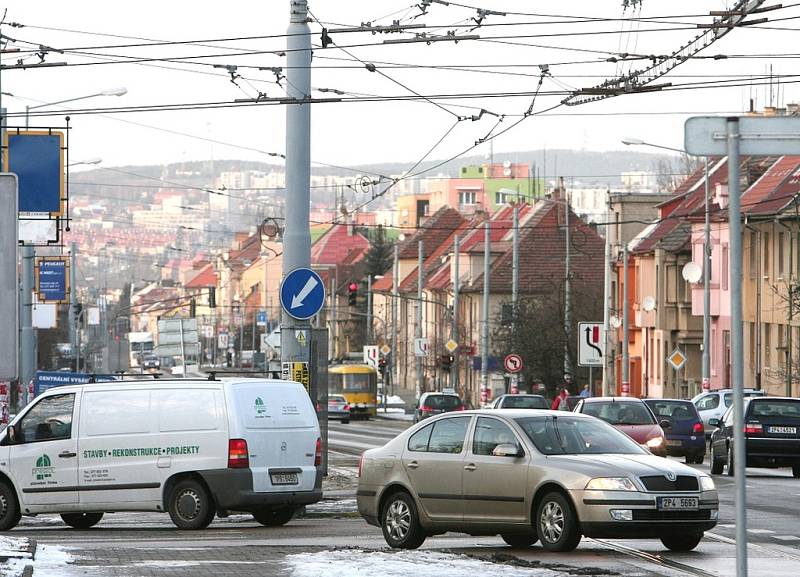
pixel 442 401
pixel 524 402
pixel 620 413
pixel 576 436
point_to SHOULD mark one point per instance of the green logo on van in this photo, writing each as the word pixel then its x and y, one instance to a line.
pixel 260 407
pixel 43 468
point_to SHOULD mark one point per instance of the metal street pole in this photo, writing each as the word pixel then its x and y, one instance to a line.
pixel 567 289
pixel 418 327
pixel 625 359
pixel 73 260
pixel 737 363
pixel 454 373
pixel 607 304
pixel 28 336
pixel 707 248
pixel 395 358
pixel 369 309
pixel 297 235
pixel 515 273
pixel 485 314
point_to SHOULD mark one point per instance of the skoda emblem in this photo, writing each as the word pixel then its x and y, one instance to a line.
pixel 671 476
pixel 283 448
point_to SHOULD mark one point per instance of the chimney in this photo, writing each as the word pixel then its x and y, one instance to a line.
pixel 721 195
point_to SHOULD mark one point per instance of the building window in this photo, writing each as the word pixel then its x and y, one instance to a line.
pixel 752 354
pixel 725 274
pixel 767 344
pixel 672 283
pixel 467 197
pixel 781 240
pixel 480 170
pixel 753 260
pixel 767 260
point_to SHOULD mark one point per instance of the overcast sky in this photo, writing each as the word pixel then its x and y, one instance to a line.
pixel 356 133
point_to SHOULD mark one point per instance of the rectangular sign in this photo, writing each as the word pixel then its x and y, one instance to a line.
pixel 174 325
pixel 189 338
pixel 43 380
pixel 9 285
pixel 298 372
pixel 759 135
pixel 52 279
pixel 37 158
pixel 590 344
pixel 189 349
pixel 371 355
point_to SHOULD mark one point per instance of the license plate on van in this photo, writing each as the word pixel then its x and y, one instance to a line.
pixel 678 503
pixel 283 478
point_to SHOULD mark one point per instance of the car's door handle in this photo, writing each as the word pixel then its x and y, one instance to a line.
pixel 413 465
pixel 67 454
pixel 470 467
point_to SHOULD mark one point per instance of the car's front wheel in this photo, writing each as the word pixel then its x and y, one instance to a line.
pixel 400 522
pixel 729 469
pixel 685 542
pixel 519 540
pixel 557 524
pixel 9 508
pixel 716 463
pixel 81 520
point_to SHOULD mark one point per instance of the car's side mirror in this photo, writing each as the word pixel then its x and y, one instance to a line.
pixel 11 435
pixel 508 450
pixel 665 424
pixel 714 423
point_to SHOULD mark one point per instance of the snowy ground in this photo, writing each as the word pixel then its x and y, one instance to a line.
pixel 356 563
pixel 49 560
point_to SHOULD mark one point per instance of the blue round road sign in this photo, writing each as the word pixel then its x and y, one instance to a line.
pixel 302 293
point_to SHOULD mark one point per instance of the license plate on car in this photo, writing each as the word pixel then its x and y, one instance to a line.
pixel 673 442
pixel 283 478
pixel 784 430
pixel 678 503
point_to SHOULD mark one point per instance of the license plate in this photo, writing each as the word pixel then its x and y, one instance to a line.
pixel 678 503
pixel 284 478
pixel 784 430
pixel 674 442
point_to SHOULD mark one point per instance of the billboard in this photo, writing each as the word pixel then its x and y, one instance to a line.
pixel 52 279
pixel 37 158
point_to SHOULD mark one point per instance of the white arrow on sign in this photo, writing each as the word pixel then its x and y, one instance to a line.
pixel 297 300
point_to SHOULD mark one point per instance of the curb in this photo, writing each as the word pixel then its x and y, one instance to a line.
pixel 28 570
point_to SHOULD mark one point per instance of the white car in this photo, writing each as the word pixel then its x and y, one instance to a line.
pixel 713 404
pixel 193 448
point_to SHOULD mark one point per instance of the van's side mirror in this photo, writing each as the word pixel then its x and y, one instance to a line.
pixel 714 423
pixel 11 435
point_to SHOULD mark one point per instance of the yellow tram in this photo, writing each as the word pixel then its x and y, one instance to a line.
pixel 359 385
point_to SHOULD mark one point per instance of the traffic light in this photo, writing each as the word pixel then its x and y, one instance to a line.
pixel 382 367
pixel 193 308
pixel 447 362
pixel 352 293
pixel 212 297
pixel 77 310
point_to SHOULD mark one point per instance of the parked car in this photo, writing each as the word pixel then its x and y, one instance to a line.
pixel 436 403
pixel 338 409
pixel 713 404
pixel 521 401
pixel 684 435
pixel 771 431
pixel 528 476
pixel 631 416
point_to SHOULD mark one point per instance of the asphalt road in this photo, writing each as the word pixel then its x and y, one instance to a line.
pixel 330 536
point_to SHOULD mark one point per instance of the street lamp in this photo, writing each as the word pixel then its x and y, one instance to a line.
pixel 110 92
pixel 706 260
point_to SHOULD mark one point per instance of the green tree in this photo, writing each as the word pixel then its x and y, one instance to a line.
pixel 379 256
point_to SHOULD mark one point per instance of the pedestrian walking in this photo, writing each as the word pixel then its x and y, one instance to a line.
pixel 586 392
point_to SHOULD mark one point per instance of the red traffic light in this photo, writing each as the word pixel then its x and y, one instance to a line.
pixel 353 287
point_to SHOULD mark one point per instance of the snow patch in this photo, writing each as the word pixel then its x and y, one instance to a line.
pixel 356 563
pixel 333 506
pixel 50 560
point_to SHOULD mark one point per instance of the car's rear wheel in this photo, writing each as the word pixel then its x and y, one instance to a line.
pixel 274 517
pixel 716 463
pixel 190 505
pixel 81 520
pixel 685 542
pixel 796 471
pixel 346 421
pixel 519 540
pixel 557 524
pixel 400 522
pixel 9 508
pixel 729 467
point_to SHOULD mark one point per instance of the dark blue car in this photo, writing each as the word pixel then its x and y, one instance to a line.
pixel 685 436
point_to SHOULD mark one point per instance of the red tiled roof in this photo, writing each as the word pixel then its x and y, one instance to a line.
pixel 205 278
pixel 337 247
pixel 433 233
pixel 775 190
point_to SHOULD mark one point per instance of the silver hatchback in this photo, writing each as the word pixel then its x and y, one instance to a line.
pixel 549 476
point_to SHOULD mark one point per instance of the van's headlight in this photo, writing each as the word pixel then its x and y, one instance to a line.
pixel 707 483
pixel 611 484
pixel 655 442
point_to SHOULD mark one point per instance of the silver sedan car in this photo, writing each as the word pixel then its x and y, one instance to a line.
pixel 551 476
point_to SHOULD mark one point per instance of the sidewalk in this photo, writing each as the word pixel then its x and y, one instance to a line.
pixel 394 415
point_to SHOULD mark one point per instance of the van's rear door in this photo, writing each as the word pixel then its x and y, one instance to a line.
pixel 279 423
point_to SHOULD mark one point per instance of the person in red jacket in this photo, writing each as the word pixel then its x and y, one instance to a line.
pixel 561 398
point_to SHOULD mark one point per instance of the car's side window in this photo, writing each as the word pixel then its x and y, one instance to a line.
pixel 448 435
pixel 419 440
pixel 728 399
pixel 488 434
pixel 49 419
pixel 707 403
pixel 727 419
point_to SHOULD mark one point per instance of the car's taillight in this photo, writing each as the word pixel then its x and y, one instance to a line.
pixel 753 428
pixel 318 453
pixel 346 408
pixel 426 409
pixel 697 428
pixel 360 464
pixel 459 408
pixel 237 454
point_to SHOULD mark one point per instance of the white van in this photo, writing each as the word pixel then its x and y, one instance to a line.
pixel 194 448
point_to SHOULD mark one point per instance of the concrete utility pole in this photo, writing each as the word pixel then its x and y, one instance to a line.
pixel 607 360
pixel 73 261
pixel 454 373
pixel 369 309
pixel 418 327
pixel 567 287
pixel 395 304
pixel 625 360
pixel 485 325
pixel 297 234
pixel 28 336
pixel 707 248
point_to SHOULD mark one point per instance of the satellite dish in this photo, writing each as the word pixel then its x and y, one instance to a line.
pixel 506 172
pixel 649 304
pixel 615 322
pixel 506 164
pixel 692 272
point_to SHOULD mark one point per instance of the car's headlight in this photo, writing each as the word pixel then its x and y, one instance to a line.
pixel 611 484
pixel 707 484
pixel 655 442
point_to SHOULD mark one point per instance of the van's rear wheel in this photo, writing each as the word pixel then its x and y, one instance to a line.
pixel 9 508
pixel 190 505
pixel 274 517
pixel 81 520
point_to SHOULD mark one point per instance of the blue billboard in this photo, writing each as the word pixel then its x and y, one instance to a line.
pixel 37 158
pixel 44 380
pixel 51 280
